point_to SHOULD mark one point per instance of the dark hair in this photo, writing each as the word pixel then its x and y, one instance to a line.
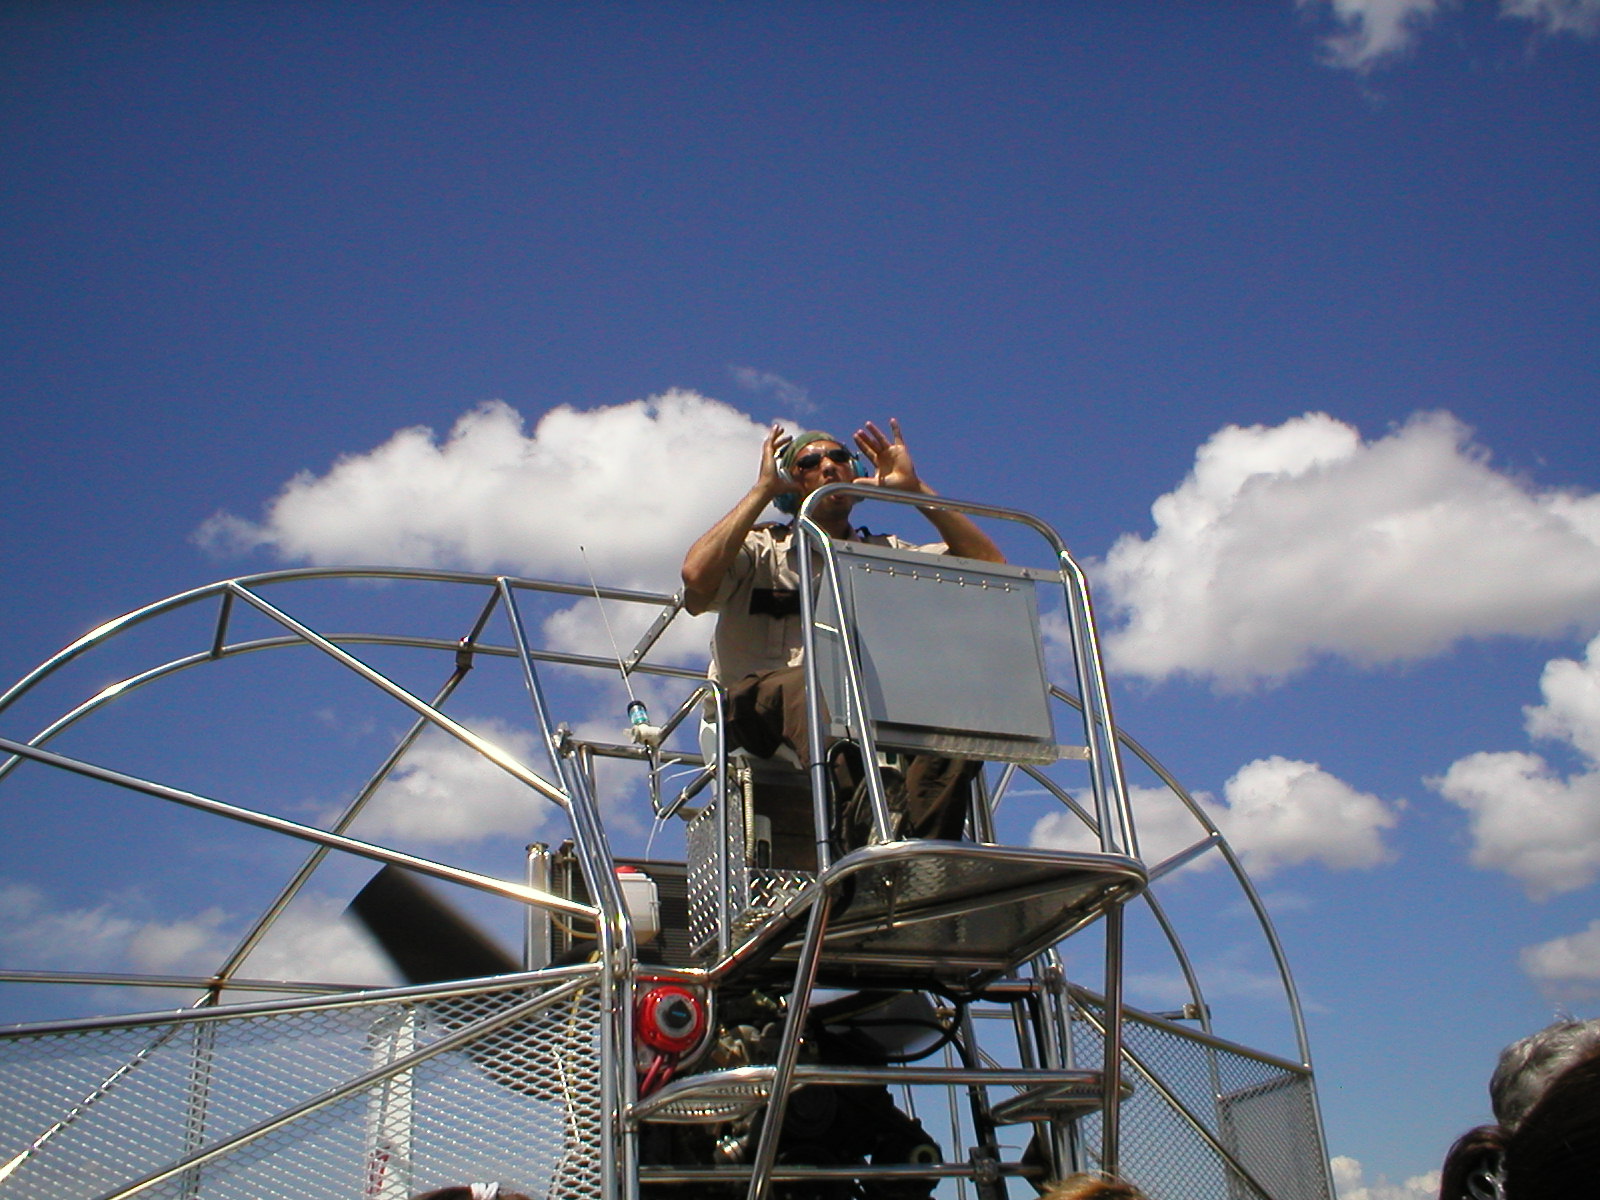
pixel 463 1191
pixel 1473 1164
pixel 1555 1152
pixel 1546 1146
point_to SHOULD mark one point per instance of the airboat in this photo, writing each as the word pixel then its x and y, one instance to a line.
pixel 662 975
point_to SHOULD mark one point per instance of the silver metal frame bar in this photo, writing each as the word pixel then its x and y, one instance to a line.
pixel 333 841
pixel 229 587
pixel 572 789
pixel 613 929
pixel 285 897
pixel 553 976
pixel 1114 814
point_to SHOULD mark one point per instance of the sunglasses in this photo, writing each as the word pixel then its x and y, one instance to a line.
pixel 807 461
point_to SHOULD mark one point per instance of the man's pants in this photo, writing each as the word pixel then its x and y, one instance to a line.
pixel 768 710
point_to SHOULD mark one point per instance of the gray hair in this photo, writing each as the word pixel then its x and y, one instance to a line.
pixel 1527 1067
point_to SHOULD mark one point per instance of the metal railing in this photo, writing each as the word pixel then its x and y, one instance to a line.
pixel 231 1126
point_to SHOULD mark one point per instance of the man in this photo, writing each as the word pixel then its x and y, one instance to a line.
pixel 747 573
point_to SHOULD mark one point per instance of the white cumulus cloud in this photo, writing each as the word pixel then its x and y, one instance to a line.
pixel 1566 967
pixel 1375 32
pixel 313 939
pixel 790 395
pixel 37 933
pixel 1280 812
pixel 1571 708
pixel 1275 813
pixel 309 941
pixel 1529 819
pixel 1298 541
pixel 1349 1183
pixel 614 629
pixel 445 793
pixel 632 483
pixel 1579 17
pixel 1164 826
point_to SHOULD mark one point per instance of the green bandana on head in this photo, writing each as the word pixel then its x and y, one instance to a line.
pixel 789 502
pixel 799 443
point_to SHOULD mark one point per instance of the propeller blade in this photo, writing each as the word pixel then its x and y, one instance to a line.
pixel 427 941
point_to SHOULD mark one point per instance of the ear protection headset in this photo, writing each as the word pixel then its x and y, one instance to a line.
pixel 788 503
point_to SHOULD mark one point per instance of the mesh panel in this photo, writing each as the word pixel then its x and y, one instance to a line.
pixel 753 893
pixel 104 1109
pixel 1261 1113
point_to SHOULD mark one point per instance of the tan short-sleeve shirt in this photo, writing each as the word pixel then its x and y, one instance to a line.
pixel 758 604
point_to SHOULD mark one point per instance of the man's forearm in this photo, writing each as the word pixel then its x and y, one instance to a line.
pixel 714 551
pixel 960 532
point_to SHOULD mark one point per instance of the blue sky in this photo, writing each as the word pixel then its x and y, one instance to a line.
pixel 1284 314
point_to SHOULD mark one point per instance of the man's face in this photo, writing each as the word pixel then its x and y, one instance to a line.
pixel 824 471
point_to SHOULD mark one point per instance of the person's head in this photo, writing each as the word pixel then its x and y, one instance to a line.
pixel 1546 1144
pixel 810 460
pixel 471 1191
pixel 1527 1067
pixel 1555 1152
pixel 1091 1187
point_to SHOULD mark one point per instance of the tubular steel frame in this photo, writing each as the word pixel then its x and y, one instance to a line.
pixel 568 784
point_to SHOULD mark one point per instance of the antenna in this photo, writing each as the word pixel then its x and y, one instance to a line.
pixel 639 727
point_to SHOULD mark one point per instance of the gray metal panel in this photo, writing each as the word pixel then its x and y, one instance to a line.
pixel 950 653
